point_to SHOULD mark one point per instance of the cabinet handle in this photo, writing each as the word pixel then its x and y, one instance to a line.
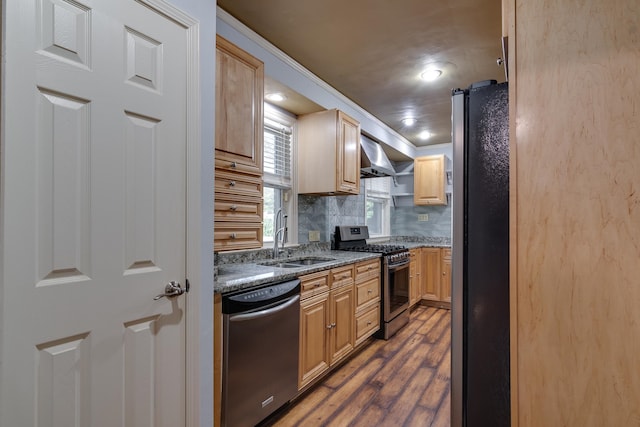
pixel 233 208
pixel 233 235
pixel 369 291
pixel 233 165
pixel 329 326
pixel 232 183
pixel 369 322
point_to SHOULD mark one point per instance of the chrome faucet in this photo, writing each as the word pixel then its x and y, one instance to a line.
pixel 280 228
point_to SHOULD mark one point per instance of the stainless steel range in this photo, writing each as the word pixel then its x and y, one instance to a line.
pixel 395 275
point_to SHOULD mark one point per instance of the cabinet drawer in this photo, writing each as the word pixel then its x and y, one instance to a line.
pixel 367 291
pixel 229 208
pixel 367 270
pixel 238 184
pixel 234 163
pixel 342 276
pixel 314 284
pixel 230 236
pixel 367 323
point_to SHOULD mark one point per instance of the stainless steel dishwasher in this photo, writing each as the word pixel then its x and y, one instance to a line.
pixel 260 344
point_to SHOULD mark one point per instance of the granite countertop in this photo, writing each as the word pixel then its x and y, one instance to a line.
pixel 233 277
pixel 242 270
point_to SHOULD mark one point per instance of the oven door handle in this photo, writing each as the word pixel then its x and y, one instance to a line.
pixel 399 265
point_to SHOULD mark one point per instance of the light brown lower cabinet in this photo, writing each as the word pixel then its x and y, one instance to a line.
pixel 367 313
pixel 314 352
pixel 431 262
pixel 339 310
pixel 415 268
pixel 217 358
pixel 327 321
pixel 430 277
pixel 445 284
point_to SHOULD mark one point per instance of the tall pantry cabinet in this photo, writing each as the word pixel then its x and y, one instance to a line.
pixel 238 153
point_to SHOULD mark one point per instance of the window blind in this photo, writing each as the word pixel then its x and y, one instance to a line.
pixel 277 153
pixel 378 187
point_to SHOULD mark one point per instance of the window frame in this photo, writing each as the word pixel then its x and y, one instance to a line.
pixel 289 199
pixel 382 196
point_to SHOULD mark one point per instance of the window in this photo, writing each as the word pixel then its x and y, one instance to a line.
pixel 278 187
pixel 377 193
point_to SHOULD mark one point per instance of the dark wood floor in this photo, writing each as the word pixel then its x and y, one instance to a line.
pixel 404 381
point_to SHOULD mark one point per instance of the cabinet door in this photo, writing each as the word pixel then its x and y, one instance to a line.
pixel 348 168
pixel 314 324
pixel 429 181
pixel 431 273
pixel 414 277
pixel 328 153
pixel 342 332
pixel 445 287
pixel 239 103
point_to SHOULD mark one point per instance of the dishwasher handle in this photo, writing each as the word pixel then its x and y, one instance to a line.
pixel 263 313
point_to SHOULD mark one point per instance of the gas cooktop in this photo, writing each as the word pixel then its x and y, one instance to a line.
pixel 354 238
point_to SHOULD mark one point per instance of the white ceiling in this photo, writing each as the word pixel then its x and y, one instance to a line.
pixel 373 51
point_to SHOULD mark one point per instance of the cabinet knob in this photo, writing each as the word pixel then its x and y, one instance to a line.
pixel 233 207
pixel 233 165
pixel 233 235
pixel 369 291
pixel 369 322
pixel 232 183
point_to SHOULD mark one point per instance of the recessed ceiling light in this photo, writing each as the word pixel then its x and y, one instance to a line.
pixel 275 97
pixel 409 121
pixel 430 75
pixel 424 135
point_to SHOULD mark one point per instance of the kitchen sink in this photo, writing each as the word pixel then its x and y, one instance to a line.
pixel 295 263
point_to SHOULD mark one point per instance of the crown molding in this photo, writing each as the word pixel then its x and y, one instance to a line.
pixel 272 49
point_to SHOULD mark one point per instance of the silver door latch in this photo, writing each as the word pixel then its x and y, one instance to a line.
pixel 173 289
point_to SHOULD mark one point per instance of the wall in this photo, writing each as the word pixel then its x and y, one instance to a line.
pixel 575 212
pixel 285 70
pixel 324 213
pixel 404 216
pixel 204 12
pixel 404 221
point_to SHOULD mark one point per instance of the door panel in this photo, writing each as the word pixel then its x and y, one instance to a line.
pixel 94 214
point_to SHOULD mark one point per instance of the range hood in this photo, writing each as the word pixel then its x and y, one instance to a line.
pixel 373 160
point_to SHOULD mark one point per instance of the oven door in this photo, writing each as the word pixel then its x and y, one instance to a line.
pixel 396 289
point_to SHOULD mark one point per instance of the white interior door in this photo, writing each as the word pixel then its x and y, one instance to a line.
pixel 93 215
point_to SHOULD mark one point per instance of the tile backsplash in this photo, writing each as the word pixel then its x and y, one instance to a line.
pixel 323 213
pixel 404 221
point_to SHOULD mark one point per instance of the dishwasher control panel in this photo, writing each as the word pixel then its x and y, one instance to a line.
pixel 271 293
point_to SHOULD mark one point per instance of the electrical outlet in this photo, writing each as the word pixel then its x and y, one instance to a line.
pixel 423 217
pixel 314 236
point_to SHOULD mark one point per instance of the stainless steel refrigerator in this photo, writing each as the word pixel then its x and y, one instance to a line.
pixel 480 392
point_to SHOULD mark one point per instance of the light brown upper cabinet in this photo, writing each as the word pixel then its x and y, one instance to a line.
pixel 429 179
pixel 239 105
pixel 328 154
